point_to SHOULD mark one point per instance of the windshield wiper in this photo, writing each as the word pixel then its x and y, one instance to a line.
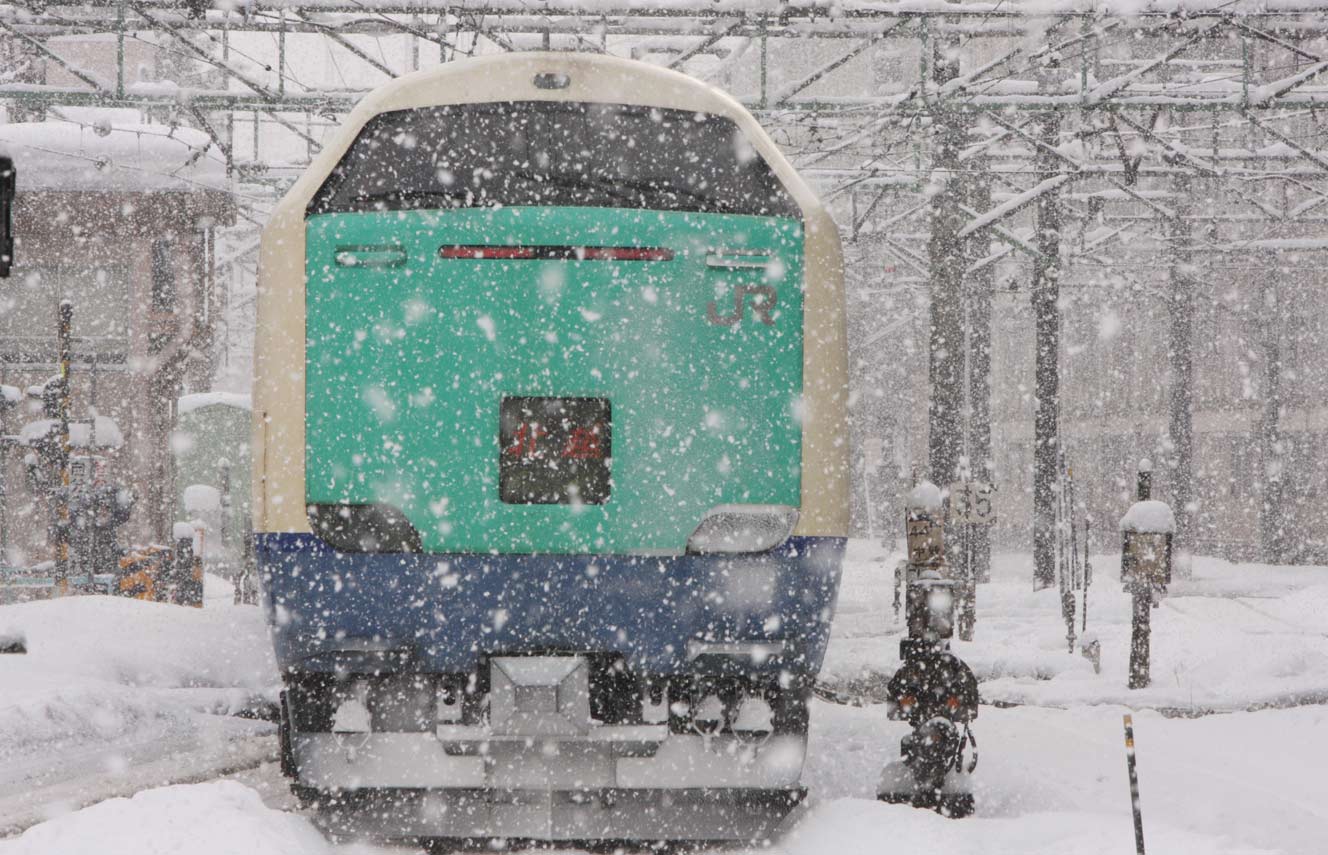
pixel 404 195
pixel 572 181
pixel 640 192
pixel 634 192
pixel 705 201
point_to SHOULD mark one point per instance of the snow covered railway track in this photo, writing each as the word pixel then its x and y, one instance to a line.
pixel 862 692
pixel 1292 628
pixel 23 805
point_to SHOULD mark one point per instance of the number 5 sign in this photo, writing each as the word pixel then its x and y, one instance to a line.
pixel 971 502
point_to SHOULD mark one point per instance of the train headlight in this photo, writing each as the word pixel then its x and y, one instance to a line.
pixel 742 528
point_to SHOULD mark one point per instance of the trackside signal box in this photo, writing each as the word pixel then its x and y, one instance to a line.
pixel 1147 530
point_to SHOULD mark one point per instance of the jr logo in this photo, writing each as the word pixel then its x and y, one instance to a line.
pixel 763 303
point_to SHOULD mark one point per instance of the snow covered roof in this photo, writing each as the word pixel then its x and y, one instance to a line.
pixel 198 400
pixel 1149 517
pixel 112 156
pixel 107 435
pixel 200 498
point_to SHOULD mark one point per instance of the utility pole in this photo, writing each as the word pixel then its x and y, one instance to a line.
pixel 1180 358
pixel 978 292
pixel 65 338
pixel 1272 511
pixel 1141 602
pixel 947 261
pixel 1046 371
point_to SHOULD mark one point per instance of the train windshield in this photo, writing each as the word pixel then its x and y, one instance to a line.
pixel 552 153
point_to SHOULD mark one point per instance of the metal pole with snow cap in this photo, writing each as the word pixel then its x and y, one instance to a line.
pixel 925 568
pixel 10 396
pixel 7 186
pixel 1147 530
pixel 186 565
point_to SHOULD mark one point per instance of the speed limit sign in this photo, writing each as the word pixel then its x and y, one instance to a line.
pixel 971 502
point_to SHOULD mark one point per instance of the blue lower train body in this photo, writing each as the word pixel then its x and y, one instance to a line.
pixel 446 613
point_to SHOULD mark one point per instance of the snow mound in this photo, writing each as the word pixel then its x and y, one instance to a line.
pixel 105 674
pixel 81 433
pixel 199 498
pixel 143 644
pixel 217 818
pixel 1149 517
pixel 91 715
pixel 12 641
pixel 926 497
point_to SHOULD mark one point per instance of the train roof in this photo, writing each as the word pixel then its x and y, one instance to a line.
pixel 592 78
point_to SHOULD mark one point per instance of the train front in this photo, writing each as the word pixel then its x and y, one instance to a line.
pixel 551 468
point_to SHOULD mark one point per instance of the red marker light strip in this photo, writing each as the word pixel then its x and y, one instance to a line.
pixel 624 253
pixel 487 252
pixel 559 253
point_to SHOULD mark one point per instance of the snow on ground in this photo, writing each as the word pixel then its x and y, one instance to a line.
pixel 110 686
pixel 1250 640
pixel 1050 782
pixel 1054 781
pixel 202 819
pixel 1231 637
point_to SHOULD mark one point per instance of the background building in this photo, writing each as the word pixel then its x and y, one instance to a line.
pixel 119 218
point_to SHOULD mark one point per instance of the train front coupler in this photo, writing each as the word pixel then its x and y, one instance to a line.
pixel 559 746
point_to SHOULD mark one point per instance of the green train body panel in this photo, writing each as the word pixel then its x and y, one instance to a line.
pixel 409 355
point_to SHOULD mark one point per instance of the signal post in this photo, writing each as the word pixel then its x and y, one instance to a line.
pixel 1147 530
pixel 971 514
